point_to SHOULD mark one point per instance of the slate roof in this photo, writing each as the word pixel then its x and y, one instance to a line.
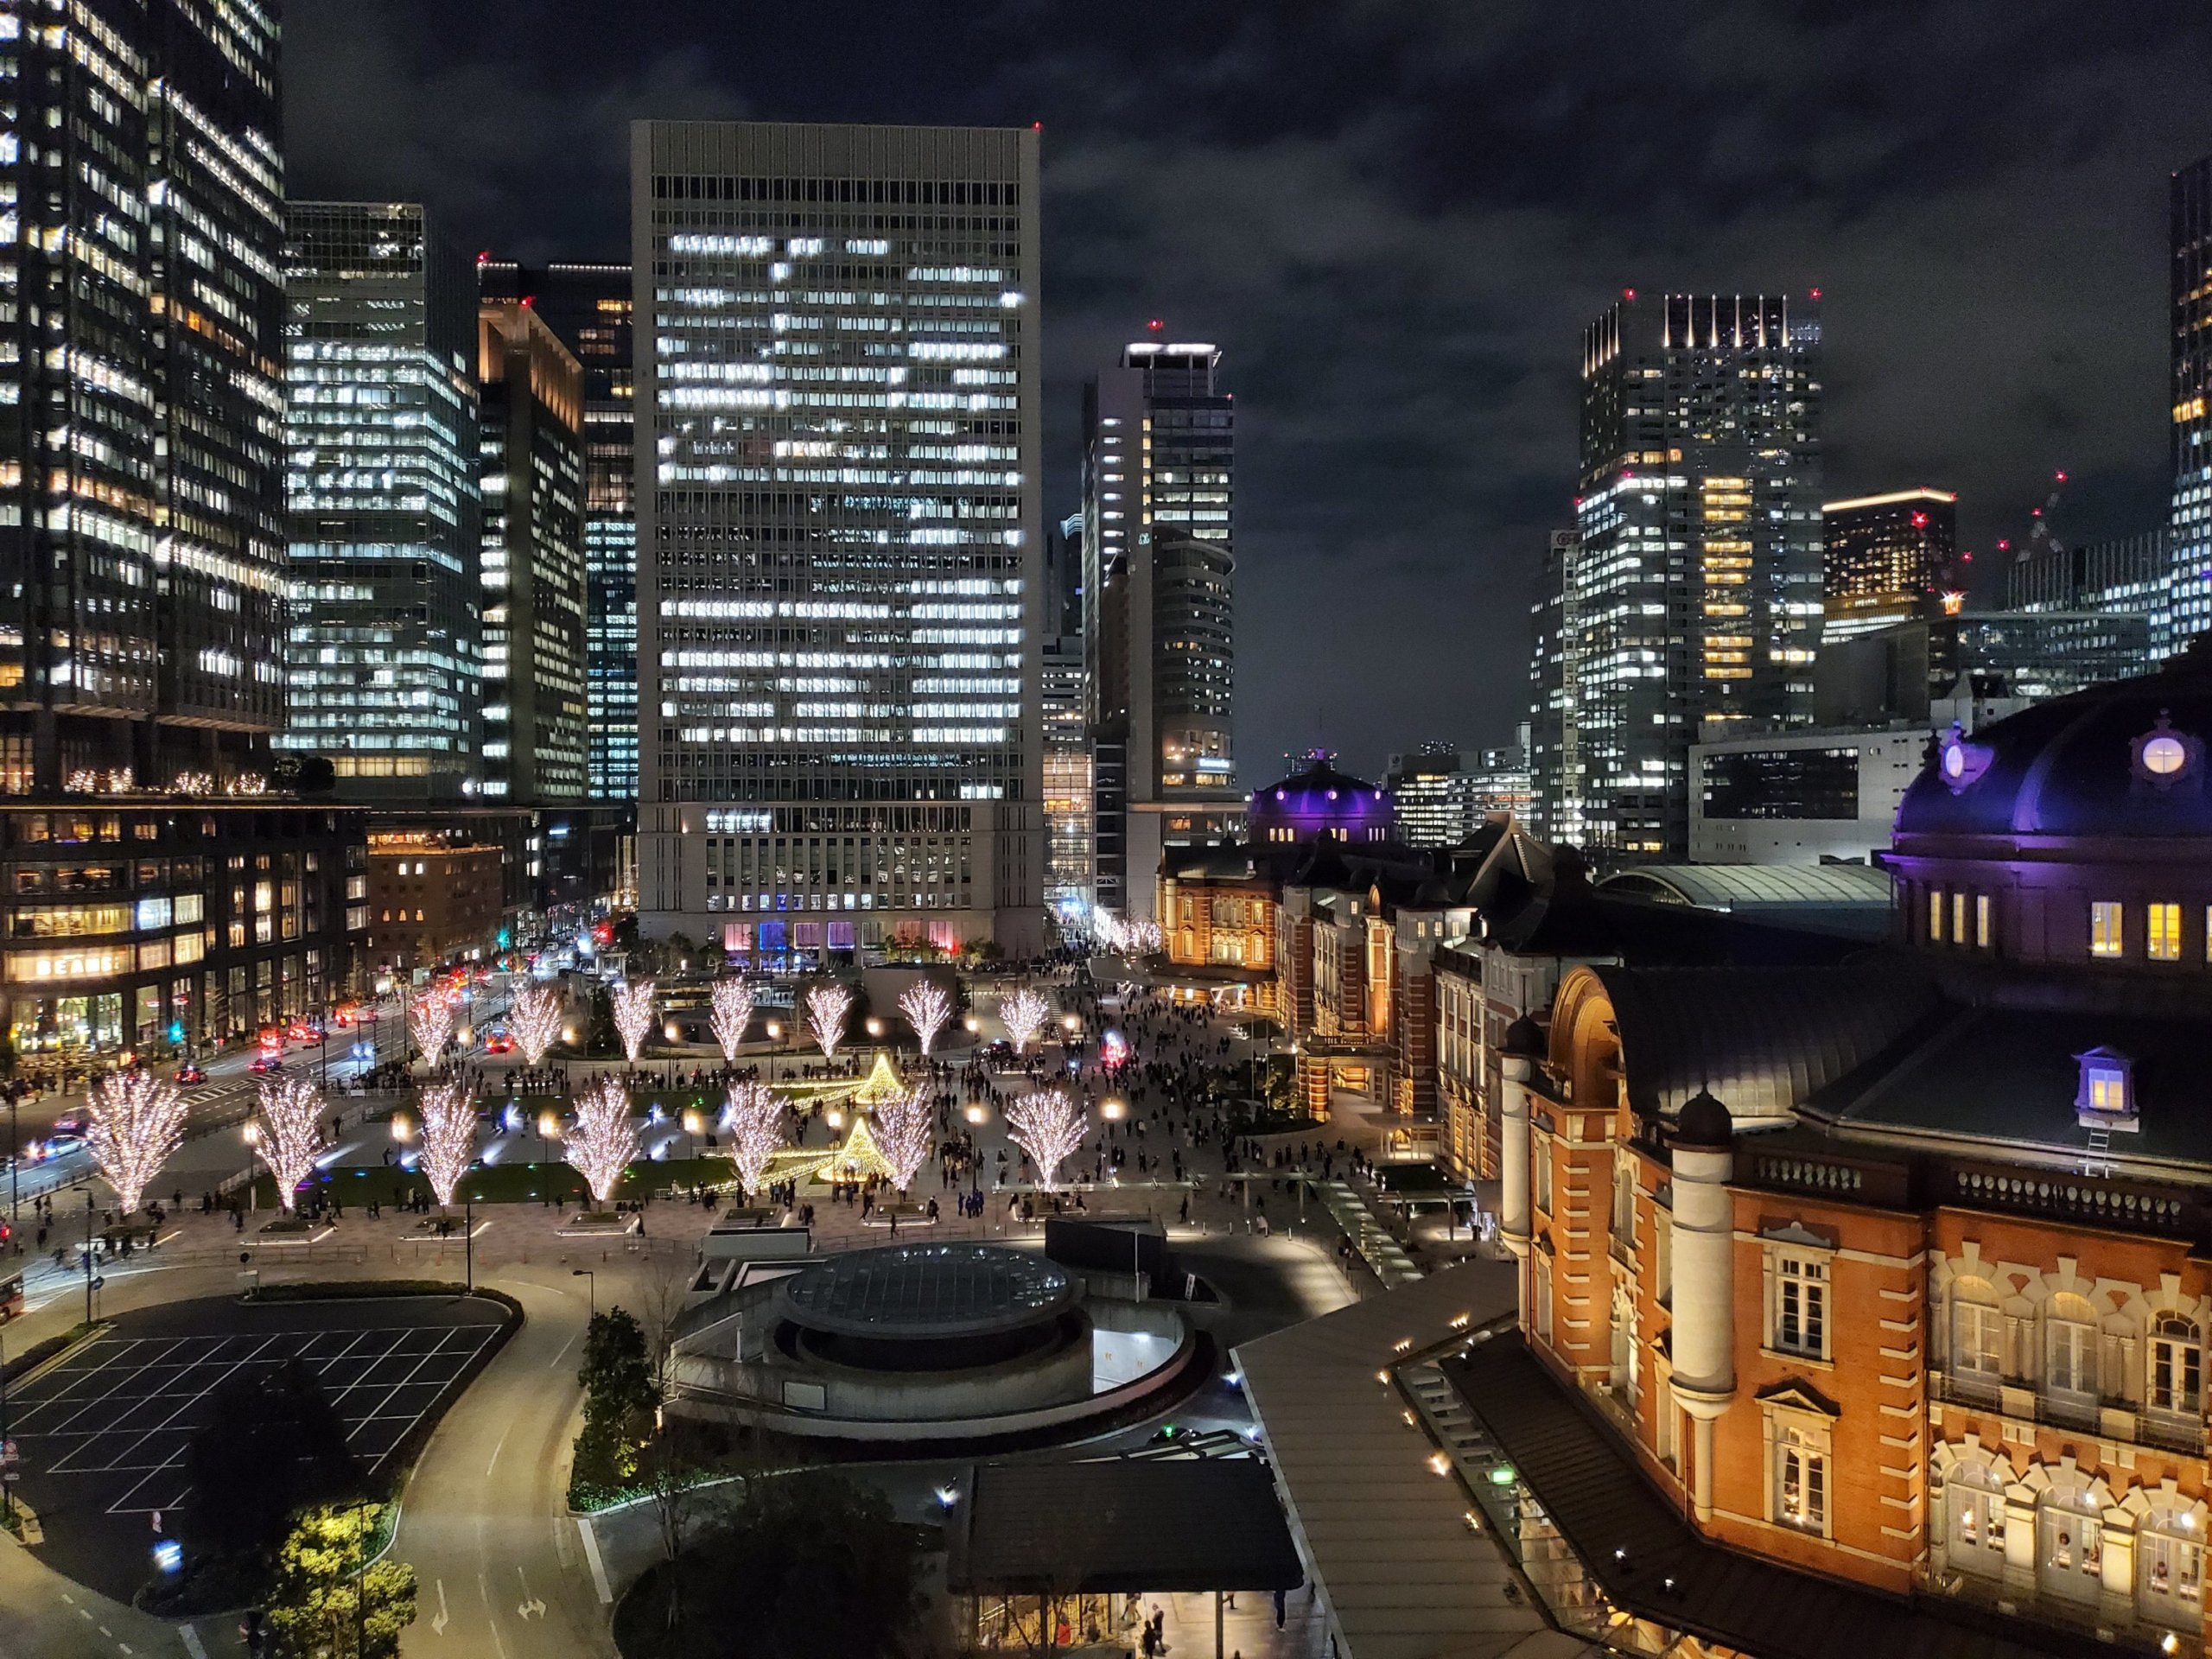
pixel 2067 767
pixel 1601 1502
pixel 1186 1526
pixel 2009 1076
pixel 1762 1040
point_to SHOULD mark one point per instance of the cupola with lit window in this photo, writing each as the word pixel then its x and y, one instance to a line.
pixel 2076 833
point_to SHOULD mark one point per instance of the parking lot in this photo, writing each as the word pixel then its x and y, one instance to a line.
pixel 103 1436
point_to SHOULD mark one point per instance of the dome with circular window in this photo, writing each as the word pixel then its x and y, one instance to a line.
pixel 2125 760
pixel 1322 801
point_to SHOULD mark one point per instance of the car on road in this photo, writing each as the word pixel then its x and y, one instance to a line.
pixel 187 1074
pixel 262 1064
pixel 497 1042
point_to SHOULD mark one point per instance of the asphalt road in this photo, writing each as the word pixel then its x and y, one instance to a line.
pixel 501 1568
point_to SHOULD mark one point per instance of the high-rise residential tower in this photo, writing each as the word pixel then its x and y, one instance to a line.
pixel 840 536
pixel 1697 582
pixel 1159 616
pixel 161 889
pixel 588 306
pixel 2185 609
pixel 1889 558
pixel 385 658
pixel 533 559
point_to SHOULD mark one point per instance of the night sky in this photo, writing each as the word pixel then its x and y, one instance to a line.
pixel 1396 218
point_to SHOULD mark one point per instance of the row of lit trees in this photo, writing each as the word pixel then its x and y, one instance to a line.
pixel 137 1123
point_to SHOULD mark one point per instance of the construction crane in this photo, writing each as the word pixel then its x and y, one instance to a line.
pixel 2040 540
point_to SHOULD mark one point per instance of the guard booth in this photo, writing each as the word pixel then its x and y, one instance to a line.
pixel 1069 1558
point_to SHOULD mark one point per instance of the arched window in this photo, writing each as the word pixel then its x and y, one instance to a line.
pixel 2170 1569
pixel 2070 1537
pixel 1977 1338
pixel 1974 1496
pixel 2176 1381
pixel 2069 1352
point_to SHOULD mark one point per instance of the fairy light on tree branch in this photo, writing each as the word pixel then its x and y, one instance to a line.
pixel 928 1009
pixel 732 1011
pixel 536 1021
pixel 1024 1014
pixel 449 1138
pixel 604 1140
pixel 429 1021
pixel 632 1002
pixel 291 1133
pixel 1048 1126
pixel 827 1008
pixel 753 1119
pixel 903 1134
pixel 134 1122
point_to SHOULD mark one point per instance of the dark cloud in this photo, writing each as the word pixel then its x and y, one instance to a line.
pixel 1396 217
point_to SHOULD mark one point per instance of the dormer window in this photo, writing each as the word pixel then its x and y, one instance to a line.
pixel 2106 1098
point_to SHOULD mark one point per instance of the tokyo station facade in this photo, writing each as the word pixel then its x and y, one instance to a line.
pixel 1884 1260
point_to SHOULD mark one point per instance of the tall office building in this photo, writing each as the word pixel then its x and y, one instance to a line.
pixel 2128 575
pixel 588 306
pixel 1889 559
pixel 2184 610
pixel 159 890
pixel 533 558
pixel 1432 794
pixel 1070 872
pixel 1695 589
pixel 841 535
pixel 1158 611
pixel 1555 749
pixel 385 657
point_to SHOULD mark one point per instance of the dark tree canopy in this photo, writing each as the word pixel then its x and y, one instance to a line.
pixel 272 1444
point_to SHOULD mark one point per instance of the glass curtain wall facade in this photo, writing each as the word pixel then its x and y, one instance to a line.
pixel 1698 579
pixel 141 411
pixel 2185 609
pixel 841 537
pixel 587 305
pixel 1554 744
pixel 386 654
pixel 533 559
pixel 1159 576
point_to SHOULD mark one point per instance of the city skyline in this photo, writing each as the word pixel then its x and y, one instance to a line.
pixel 1482 229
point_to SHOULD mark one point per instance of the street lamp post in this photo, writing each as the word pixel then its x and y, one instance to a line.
pixel 14 1166
pixel 88 1254
pixel 469 1240
pixel 591 1290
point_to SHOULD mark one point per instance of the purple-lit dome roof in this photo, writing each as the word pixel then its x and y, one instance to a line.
pixel 2123 761
pixel 1321 798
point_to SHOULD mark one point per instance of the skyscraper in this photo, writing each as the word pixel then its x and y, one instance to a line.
pixel 160 892
pixel 2185 610
pixel 1432 796
pixel 1554 747
pixel 840 536
pixel 1159 618
pixel 385 658
pixel 140 439
pixel 588 306
pixel 1889 558
pixel 1071 870
pixel 1696 590
pixel 533 560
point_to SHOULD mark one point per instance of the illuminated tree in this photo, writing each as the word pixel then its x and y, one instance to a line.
pixel 429 1020
pixel 754 1119
pixel 449 1138
pixel 291 1133
pixel 1048 1126
pixel 902 1134
pixel 1024 1013
pixel 135 1123
pixel 633 1014
pixel 733 1003
pixel 827 1006
pixel 928 1009
pixel 604 1140
pixel 536 1021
